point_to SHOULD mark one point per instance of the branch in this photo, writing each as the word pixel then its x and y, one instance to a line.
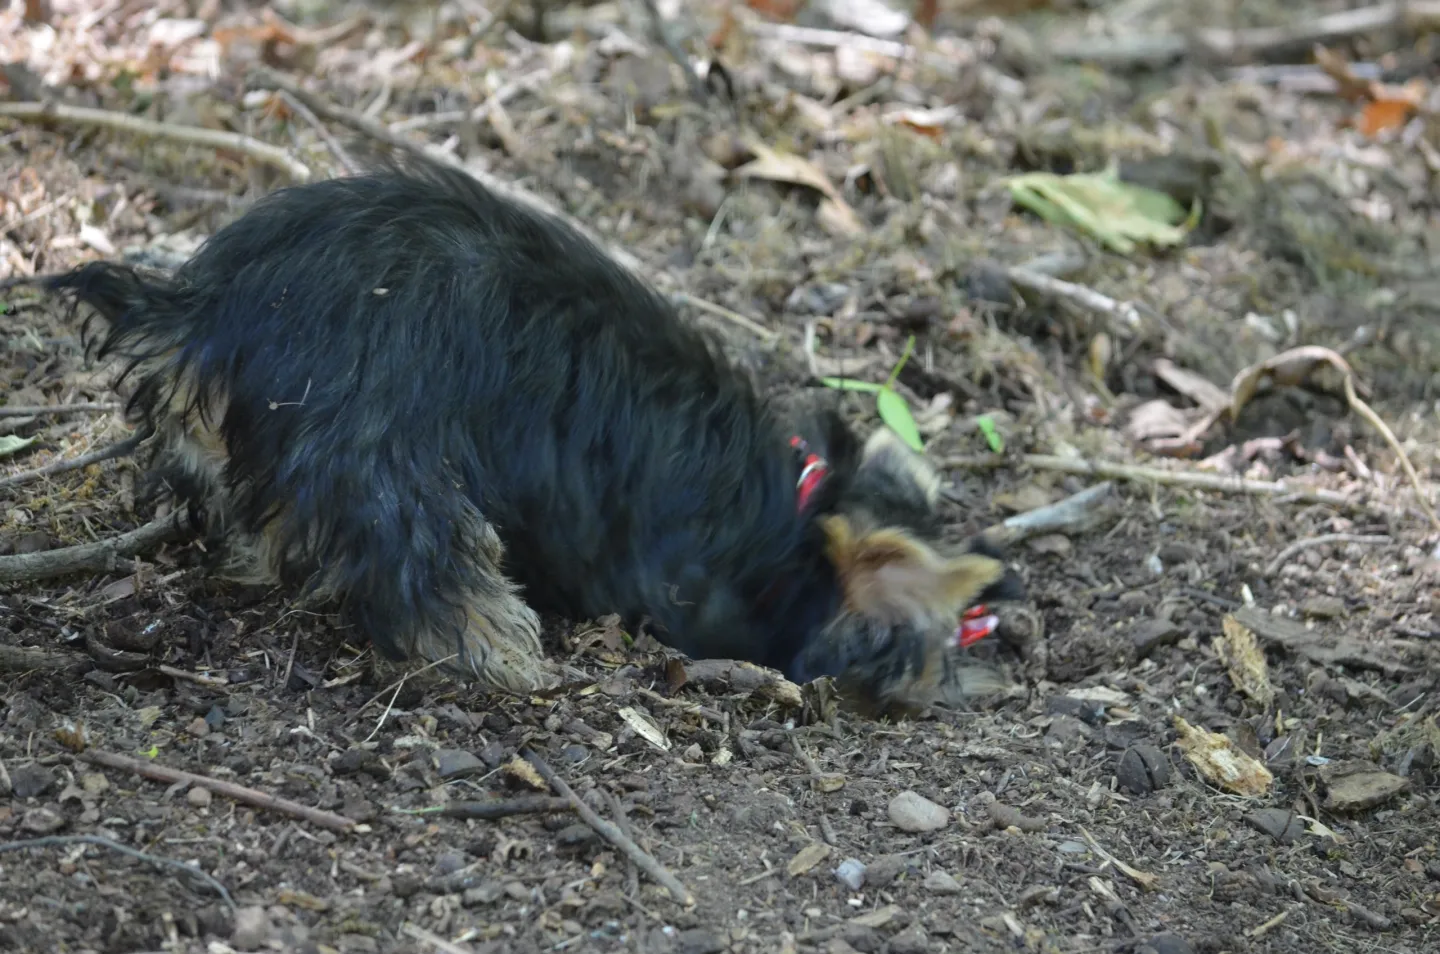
pixel 103 556
pixel 136 125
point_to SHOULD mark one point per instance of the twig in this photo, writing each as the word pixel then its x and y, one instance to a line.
pixel 1416 16
pixel 1074 514
pixel 434 940
pixel 1320 541
pixel 337 150
pixel 200 679
pixel 506 807
pixel 118 449
pixel 194 135
pixel 612 834
pixel 27 659
pixel 1169 478
pixel 1122 311
pixel 42 410
pixel 381 133
pixel 657 23
pixel 156 860
pixel 239 793
pixel 103 556
pixel 734 317
pixel 1364 410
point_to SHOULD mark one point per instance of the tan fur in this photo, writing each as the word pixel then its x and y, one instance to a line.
pixel 890 575
pixel 884 448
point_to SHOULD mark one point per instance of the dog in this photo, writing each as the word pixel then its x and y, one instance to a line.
pixel 445 413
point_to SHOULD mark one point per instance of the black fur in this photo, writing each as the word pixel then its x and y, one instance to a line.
pixel 395 359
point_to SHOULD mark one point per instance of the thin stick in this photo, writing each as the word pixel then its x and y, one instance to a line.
pixel 337 150
pixel 1320 541
pixel 612 834
pixel 239 793
pixel 27 659
pixel 156 860
pixel 1132 50
pixel 118 449
pixel 1169 478
pixel 194 135
pixel 1071 515
pixel 1088 298
pixel 657 23
pixel 734 317
pixel 1364 410
pixel 43 410
pixel 506 807
pixel 434 940
pixel 381 133
pixel 103 556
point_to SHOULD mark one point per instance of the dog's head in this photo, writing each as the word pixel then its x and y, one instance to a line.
pixel 891 641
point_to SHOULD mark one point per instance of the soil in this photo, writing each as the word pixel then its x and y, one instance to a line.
pixel 1073 819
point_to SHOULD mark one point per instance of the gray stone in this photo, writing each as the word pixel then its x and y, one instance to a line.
pixel 916 813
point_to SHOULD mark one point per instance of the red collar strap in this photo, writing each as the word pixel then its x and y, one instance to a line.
pixel 975 625
pixel 813 471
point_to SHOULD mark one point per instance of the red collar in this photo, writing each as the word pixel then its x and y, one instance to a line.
pixel 812 473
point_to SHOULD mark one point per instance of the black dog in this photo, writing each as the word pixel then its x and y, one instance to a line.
pixel 446 412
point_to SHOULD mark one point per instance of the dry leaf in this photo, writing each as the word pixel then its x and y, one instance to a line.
pixel 1288 368
pixel 808 857
pixel 1202 391
pixel 1240 651
pixel 645 727
pixel 1217 759
pixel 770 164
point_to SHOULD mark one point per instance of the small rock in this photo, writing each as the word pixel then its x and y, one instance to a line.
pixel 41 821
pixel 940 882
pixel 455 764
pixel 1086 710
pixel 252 928
pixel 1357 785
pixel 358 944
pixel 215 718
pixel 1051 544
pixel 198 728
pixel 30 780
pixel 199 796
pixel 356 760
pixel 912 940
pixel 1279 823
pixel 886 868
pixel 1171 944
pixel 577 835
pixel 851 873
pixel 1143 768
pixel 1323 607
pixel 1152 634
pixel 450 862
pixel 405 884
pixel 94 783
pixel 575 753
pixel 699 941
pixel 487 893
pixel 916 813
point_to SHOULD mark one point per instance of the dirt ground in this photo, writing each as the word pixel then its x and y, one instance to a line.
pixel 1073 820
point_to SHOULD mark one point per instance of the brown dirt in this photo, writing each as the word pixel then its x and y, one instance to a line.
pixel 1128 611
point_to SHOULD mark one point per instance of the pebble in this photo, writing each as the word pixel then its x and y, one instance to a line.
pixel 41 821
pixel 1323 607
pixel 252 928
pixel 851 873
pixel 457 763
pixel 940 882
pixel 30 780
pixel 199 796
pixel 699 941
pixel 916 813
pixel 912 940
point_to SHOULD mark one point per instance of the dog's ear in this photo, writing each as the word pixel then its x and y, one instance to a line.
pixel 890 575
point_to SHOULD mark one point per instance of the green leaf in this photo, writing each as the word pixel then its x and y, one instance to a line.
pixel 992 436
pixel 9 444
pixel 849 384
pixel 1118 213
pixel 896 413
pixel 904 356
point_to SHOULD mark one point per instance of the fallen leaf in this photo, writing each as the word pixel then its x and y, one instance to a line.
pixel 1287 369
pixel 645 727
pixel 1202 391
pixel 775 166
pixel 10 444
pixel 1218 760
pixel 1120 214
pixel 807 858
